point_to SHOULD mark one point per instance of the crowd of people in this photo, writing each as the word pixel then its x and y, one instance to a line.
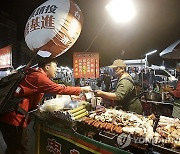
pixel 125 96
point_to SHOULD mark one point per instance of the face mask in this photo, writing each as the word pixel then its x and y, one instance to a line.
pixel 114 73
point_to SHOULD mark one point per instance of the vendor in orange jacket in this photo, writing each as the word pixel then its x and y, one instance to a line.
pixel 13 125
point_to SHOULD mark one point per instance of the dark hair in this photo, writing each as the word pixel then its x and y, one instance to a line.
pixel 42 62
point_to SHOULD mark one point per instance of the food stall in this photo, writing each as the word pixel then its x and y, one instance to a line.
pixel 86 129
pixel 54 138
pixel 55 130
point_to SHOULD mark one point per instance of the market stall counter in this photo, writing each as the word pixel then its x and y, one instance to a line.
pixel 83 129
pixel 57 137
pixel 161 108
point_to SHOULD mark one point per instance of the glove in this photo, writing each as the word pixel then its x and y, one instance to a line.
pixel 166 88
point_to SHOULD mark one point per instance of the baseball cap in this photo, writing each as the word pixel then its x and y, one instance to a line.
pixel 118 63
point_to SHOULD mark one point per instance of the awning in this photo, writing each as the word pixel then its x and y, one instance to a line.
pixel 172 52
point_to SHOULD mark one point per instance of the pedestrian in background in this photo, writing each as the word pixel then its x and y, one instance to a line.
pixel 176 94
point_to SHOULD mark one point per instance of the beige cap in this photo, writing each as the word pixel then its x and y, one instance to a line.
pixel 118 63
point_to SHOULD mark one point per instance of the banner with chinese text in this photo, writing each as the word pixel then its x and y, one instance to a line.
pixel 5 57
pixel 86 64
pixel 64 141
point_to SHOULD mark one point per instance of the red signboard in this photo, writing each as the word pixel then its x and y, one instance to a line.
pixel 86 64
pixel 5 57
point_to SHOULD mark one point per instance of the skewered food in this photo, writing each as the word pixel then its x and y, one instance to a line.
pixel 77 109
pixel 168 131
pixel 119 121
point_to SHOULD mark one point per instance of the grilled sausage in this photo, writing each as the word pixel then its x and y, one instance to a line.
pixel 86 119
pixel 90 122
pixel 108 126
pixel 116 126
pixel 112 128
pixel 119 130
pixel 102 124
pixel 98 124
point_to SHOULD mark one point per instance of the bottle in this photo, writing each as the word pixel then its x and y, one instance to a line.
pixel 163 94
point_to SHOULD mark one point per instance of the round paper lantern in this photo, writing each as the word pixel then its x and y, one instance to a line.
pixel 53 27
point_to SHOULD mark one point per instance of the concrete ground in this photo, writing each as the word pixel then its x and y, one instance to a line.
pixel 31 143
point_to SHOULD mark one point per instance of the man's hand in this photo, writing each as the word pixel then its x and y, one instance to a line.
pixel 86 89
pixel 107 95
pixel 98 93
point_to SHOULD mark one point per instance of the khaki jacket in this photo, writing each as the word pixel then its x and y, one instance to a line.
pixel 126 93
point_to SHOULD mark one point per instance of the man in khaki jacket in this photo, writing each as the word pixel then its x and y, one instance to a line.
pixel 125 93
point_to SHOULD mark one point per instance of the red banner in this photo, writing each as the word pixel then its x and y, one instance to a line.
pixel 5 57
pixel 86 64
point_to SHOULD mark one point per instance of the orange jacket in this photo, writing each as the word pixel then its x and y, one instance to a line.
pixel 32 89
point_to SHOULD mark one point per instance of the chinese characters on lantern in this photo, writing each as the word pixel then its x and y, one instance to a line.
pixel 44 21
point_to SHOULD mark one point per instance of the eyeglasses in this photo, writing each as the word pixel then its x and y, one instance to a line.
pixel 115 69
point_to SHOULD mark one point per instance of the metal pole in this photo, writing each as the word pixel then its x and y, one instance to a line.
pixel 146 64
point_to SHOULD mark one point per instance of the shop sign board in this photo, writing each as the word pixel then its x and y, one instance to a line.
pixel 86 64
pixel 64 141
pixel 5 57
